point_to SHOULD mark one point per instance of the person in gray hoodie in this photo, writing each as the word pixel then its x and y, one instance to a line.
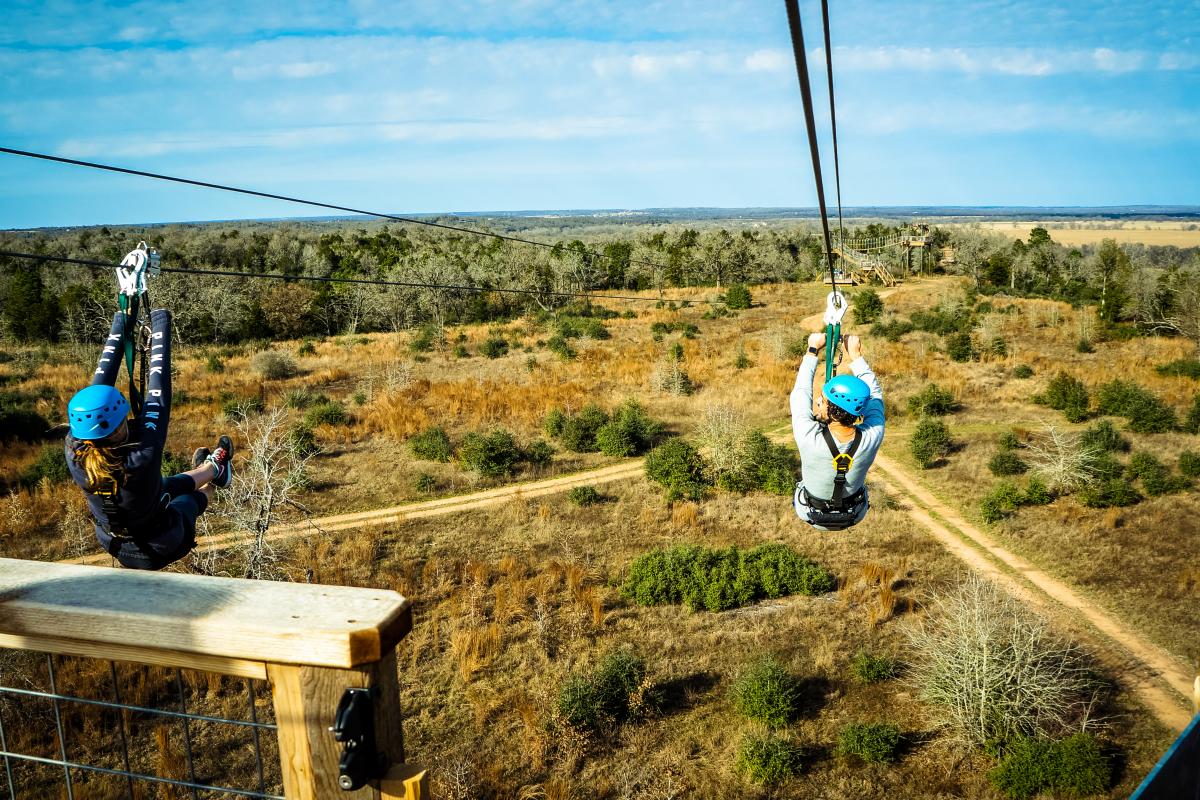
pixel 838 437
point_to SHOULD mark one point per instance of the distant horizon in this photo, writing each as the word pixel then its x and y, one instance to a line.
pixel 1133 212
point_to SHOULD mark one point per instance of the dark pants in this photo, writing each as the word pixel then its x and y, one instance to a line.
pixel 172 538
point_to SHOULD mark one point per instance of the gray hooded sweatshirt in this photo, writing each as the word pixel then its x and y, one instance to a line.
pixel 816 463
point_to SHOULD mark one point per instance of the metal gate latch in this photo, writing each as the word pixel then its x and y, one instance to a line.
pixel 354 727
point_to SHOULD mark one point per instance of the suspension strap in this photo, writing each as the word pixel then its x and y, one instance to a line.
pixel 835 309
pixel 134 297
pixel 842 464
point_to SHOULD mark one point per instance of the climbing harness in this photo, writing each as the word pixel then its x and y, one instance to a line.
pixel 134 298
pixel 841 510
pixel 835 309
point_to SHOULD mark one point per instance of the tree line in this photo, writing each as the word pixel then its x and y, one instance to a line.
pixel 46 302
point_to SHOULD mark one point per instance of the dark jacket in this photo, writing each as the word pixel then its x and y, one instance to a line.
pixel 141 510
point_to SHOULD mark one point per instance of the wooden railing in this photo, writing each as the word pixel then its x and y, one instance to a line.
pixel 311 642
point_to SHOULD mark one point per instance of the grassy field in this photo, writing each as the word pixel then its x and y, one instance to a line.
pixel 1176 234
pixel 511 602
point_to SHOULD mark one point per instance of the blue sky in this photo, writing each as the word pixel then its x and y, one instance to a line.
pixel 524 104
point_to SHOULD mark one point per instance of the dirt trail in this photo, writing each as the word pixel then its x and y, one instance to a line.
pixel 1146 668
pixel 1143 666
pixel 430 508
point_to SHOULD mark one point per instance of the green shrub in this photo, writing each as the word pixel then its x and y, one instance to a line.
pixel 1037 493
pixel 578 432
pixel 273 365
pixel 328 413
pixel 629 432
pixel 1191 423
pixel 303 398
pixel 306 348
pixel 998 347
pixel 214 363
pixel 494 347
pixel 931 401
pixel 424 483
pixel 538 453
pixel 738 296
pixel 426 339
pixel 1007 462
pixel 960 347
pixel 491 455
pixel 762 466
pixel 766 692
pixel 1146 412
pixel 871 742
pixel 1068 395
pixel 930 442
pixel 679 468
pixel 1074 767
pixel 431 444
pixel 1189 464
pixel 240 407
pixel 716 580
pixel 559 346
pixel 742 361
pixel 302 440
pixel 1004 499
pixel 610 694
pixel 1084 346
pixel 1109 493
pixel 868 306
pixel 893 331
pixel 553 423
pixel 1023 371
pixel 1104 436
pixel 1010 441
pixel 943 322
pixel 1184 368
pixel 461 351
pixel 767 758
pixel 1105 467
pixel 51 466
pixel 868 668
pixel 172 463
pixel 1155 476
pixel 584 496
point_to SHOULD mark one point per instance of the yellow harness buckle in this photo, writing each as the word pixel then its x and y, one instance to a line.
pixel 841 458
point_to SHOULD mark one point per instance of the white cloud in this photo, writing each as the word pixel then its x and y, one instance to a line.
pixel 1022 62
pixel 768 61
pixel 292 70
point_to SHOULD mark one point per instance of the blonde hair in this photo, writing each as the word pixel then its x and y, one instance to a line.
pixel 101 465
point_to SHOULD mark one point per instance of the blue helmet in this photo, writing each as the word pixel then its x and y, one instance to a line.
pixel 847 393
pixel 96 411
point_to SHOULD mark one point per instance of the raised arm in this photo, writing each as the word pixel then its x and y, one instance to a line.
pixel 110 358
pixel 873 416
pixel 803 423
pixel 157 409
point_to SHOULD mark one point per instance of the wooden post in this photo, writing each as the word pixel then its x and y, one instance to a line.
pixel 305 701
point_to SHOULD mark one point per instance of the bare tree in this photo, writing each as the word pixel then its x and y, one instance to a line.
pixel 265 485
pixel 1063 461
pixel 993 670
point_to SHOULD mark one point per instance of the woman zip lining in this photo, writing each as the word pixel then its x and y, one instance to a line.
pixel 143 520
pixel 838 437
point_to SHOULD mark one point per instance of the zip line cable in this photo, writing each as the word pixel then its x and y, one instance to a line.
pixel 793 14
pixel 369 281
pixel 837 173
pixel 270 196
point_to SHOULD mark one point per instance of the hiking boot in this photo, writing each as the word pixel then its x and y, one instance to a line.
pixel 222 459
pixel 200 456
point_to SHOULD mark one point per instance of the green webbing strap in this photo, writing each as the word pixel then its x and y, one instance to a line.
pixel 129 306
pixel 833 336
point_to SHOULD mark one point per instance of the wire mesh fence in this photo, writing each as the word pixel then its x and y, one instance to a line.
pixel 83 728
